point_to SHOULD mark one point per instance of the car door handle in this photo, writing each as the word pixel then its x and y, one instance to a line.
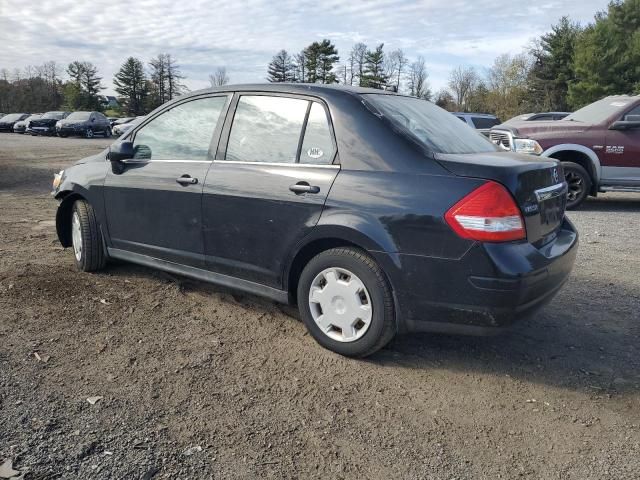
pixel 187 180
pixel 303 187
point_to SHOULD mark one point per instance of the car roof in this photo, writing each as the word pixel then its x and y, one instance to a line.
pixel 293 88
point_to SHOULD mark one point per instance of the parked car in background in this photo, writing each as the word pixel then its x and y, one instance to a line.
pixel 538 117
pixel 599 146
pixel 21 126
pixel 376 213
pixel 124 127
pixel 113 120
pixel 480 121
pixel 86 124
pixel 8 121
pixel 46 124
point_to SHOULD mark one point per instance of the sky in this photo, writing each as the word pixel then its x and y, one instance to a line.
pixel 244 35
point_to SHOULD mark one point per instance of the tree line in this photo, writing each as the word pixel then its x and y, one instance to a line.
pixel 78 86
pixel 565 69
pixel 568 67
pixel 364 67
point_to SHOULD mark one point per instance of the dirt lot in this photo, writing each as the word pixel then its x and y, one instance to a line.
pixel 198 382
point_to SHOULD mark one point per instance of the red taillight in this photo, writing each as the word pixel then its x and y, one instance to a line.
pixel 488 214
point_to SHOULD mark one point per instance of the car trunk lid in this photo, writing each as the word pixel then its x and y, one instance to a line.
pixel 536 183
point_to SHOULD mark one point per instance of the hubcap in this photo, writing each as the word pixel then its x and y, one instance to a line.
pixel 89 133
pixel 76 236
pixel 576 185
pixel 340 304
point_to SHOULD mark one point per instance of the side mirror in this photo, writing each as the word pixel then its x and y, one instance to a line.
pixel 117 153
pixel 630 122
pixel 120 151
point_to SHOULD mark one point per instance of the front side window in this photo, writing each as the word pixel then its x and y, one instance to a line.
pixel 266 129
pixel 182 133
pixel 317 147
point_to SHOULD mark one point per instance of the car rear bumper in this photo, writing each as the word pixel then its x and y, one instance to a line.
pixel 489 287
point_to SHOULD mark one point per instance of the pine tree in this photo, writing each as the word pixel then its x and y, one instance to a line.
pixel 607 55
pixel 552 70
pixel 84 76
pixel 320 59
pixel 281 68
pixel 131 84
pixel 374 76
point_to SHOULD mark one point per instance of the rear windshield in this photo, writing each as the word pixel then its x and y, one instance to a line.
pixel 485 122
pixel 430 125
pixel 79 116
pixel 54 115
pixel 32 117
pixel 601 110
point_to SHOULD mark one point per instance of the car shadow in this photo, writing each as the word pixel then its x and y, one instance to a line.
pixel 630 203
pixel 585 342
pixel 577 342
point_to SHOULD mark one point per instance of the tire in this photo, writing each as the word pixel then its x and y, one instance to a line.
pixel 62 135
pixel 88 133
pixel 579 183
pixel 88 249
pixel 347 266
pixel 107 133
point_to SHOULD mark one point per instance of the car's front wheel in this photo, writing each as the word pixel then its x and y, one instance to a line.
pixel 346 303
pixel 86 238
pixel 578 183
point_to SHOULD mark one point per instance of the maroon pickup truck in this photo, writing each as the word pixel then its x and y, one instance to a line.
pixel 598 145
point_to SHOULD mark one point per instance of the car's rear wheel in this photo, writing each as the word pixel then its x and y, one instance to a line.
pixel 86 238
pixel 346 303
pixel 89 133
pixel 578 182
pixel 62 135
pixel 107 132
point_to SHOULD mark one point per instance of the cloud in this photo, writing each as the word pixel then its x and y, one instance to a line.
pixel 244 35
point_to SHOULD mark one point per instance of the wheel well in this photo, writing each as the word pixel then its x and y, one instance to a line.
pixel 581 159
pixel 303 257
pixel 63 217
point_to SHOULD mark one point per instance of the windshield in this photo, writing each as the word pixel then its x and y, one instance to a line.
pixel 54 115
pixel 430 125
pixel 12 117
pixel 79 116
pixel 599 111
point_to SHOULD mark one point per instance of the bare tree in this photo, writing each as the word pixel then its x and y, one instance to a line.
pixel 417 79
pixel 462 82
pixel 358 60
pixel 300 69
pixel 219 77
pixel 395 65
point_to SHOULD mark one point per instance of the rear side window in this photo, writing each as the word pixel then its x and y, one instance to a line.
pixel 182 133
pixel 266 129
pixel 317 147
pixel 485 122
pixel 430 125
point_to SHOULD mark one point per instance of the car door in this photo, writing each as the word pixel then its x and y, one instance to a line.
pixel 621 164
pixel 268 184
pixel 154 206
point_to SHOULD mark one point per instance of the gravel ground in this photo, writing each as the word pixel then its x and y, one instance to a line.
pixel 199 382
